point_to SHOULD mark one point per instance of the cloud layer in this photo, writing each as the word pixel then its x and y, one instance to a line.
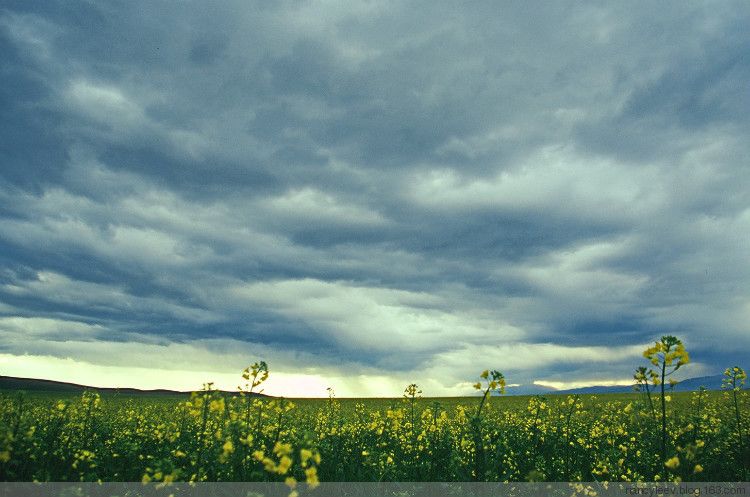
pixel 372 193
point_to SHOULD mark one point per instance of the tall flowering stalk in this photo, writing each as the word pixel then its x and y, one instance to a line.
pixel 254 376
pixel 411 393
pixel 643 376
pixel 734 378
pixel 493 381
pixel 668 355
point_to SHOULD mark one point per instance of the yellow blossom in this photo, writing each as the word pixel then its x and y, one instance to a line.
pixel 228 447
pixel 311 477
pixel 284 464
pixel 305 455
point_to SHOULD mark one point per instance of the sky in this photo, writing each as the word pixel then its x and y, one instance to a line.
pixel 371 194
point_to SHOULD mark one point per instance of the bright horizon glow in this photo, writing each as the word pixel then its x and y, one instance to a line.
pixel 93 375
pixel 561 385
pixel 279 384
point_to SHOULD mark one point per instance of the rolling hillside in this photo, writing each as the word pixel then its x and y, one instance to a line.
pixel 39 385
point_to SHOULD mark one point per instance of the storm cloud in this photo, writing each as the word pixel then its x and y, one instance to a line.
pixel 371 193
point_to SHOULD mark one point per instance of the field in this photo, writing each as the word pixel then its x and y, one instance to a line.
pixel 213 436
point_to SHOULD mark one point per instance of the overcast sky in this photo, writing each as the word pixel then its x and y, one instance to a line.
pixel 369 194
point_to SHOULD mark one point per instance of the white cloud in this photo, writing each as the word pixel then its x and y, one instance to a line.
pixel 20 329
pixel 106 105
pixel 529 357
pixel 555 181
pixel 34 33
pixel 378 318
pixel 310 205
pixel 56 288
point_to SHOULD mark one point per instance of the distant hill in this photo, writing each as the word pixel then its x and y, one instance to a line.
pixel 597 389
pixel 526 390
pixel 688 385
pixel 37 385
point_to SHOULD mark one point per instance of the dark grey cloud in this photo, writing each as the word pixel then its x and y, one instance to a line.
pixel 375 189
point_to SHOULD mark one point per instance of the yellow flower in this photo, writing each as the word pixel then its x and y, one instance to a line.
pixel 698 468
pixel 311 475
pixel 284 464
pixel 305 454
pixel 228 447
pixel 216 405
pixel 673 463
pixel 248 440
pixel 281 449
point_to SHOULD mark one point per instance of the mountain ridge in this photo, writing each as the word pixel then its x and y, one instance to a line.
pixel 43 385
pixel 712 382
